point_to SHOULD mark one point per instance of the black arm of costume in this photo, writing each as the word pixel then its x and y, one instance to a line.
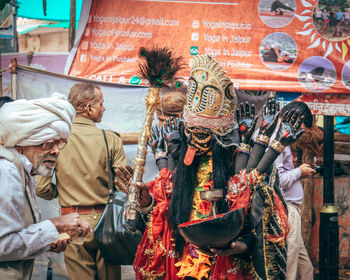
pixel 240 161
pixel 138 224
pixel 287 134
pixel 267 161
pixel 171 162
pixel 267 127
pixel 162 163
pixel 255 156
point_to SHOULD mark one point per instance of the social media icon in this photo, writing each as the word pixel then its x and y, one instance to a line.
pixel 194 50
pixel 195 24
pixel 83 58
pixel 84 45
pixel 135 80
pixel 195 36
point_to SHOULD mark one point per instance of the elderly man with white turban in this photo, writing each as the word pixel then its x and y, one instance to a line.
pixel 82 180
pixel 32 133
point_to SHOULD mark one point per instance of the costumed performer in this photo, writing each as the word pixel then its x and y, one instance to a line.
pixel 211 145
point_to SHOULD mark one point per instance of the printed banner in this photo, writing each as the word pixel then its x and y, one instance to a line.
pixel 289 45
pixel 327 104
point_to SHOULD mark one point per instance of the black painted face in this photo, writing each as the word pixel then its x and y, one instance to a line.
pixel 198 138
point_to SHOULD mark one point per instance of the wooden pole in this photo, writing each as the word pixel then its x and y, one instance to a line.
pixel 72 24
pixel 130 138
pixel 14 24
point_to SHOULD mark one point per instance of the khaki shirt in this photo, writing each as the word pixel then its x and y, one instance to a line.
pixel 81 169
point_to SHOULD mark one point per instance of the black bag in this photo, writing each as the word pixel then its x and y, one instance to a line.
pixel 116 239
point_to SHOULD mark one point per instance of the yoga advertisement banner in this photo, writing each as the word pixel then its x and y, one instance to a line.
pixel 289 45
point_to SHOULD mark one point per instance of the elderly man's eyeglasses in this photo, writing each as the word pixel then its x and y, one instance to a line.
pixel 50 144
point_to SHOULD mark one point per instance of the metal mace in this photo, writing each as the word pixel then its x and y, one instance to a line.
pixel 132 204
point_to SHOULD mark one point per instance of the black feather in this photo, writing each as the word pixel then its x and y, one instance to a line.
pixel 159 66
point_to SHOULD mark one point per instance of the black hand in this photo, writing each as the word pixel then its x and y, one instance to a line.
pixel 289 132
pixel 268 125
pixel 157 142
pixel 247 123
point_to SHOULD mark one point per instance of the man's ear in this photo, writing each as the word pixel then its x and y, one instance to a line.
pixel 88 109
pixel 19 149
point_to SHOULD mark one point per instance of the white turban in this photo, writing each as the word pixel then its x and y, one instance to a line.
pixel 32 122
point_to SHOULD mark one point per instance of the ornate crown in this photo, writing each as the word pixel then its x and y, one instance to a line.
pixel 211 98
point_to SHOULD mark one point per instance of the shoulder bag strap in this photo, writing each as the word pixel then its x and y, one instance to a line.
pixel 110 175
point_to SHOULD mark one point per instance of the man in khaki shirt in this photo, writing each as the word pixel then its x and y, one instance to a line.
pixel 82 180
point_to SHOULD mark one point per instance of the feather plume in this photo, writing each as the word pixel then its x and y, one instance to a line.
pixel 159 66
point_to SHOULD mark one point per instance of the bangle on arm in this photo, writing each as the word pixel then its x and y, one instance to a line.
pixel 148 208
pixel 277 146
pixel 244 148
pixel 263 140
pixel 160 155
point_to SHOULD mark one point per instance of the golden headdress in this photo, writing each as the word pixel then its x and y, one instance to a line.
pixel 211 98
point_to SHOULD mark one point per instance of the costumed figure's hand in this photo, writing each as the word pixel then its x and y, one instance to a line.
pixel 159 145
pixel 270 109
pixel 269 121
pixel 267 127
pixel 288 132
pixel 157 142
pixel 236 248
pixel 247 122
pixel 124 175
pixel 173 141
pixel 172 134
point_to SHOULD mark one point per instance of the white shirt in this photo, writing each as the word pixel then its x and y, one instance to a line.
pixel 17 242
pixel 290 177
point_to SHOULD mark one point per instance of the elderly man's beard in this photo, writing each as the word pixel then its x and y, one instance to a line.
pixel 39 167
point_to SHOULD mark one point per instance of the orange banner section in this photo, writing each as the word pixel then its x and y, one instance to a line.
pixel 327 104
pixel 299 46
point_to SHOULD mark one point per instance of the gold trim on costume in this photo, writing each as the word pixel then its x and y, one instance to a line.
pixel 244 147
pixel 263 139
pixel 277 146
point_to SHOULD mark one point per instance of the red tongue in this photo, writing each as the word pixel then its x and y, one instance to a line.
pixel 191 152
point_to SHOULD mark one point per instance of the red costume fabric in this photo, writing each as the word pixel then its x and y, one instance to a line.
pixel 155 257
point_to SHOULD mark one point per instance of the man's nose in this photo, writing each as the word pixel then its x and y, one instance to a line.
pixel 55 150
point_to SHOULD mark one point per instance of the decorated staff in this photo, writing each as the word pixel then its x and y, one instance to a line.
pixel 159 66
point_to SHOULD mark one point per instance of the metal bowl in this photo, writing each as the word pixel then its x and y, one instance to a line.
pixel 213 232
